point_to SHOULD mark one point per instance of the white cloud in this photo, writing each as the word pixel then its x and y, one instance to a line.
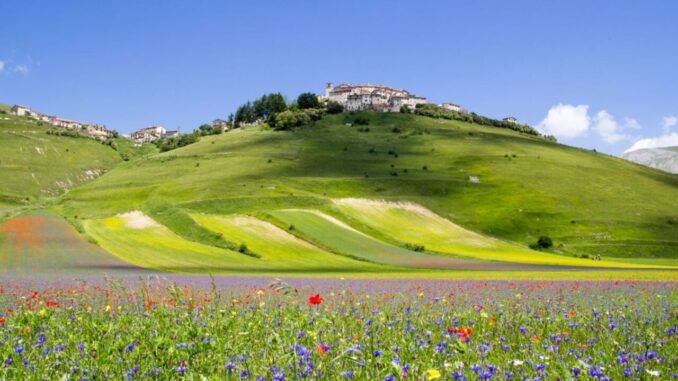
pixel 669 121
pixel 566 121
pixel 2 66
pixel 23 69
pixel 666 140
pixel 631 123
pixel 607 128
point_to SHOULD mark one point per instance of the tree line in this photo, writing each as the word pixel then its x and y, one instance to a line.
pixel 435 111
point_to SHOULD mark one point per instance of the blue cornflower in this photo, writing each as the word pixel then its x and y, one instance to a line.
pixel 347 374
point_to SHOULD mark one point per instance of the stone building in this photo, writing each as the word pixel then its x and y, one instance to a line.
pixel 148 134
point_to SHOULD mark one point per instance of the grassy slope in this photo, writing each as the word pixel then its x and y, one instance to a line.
pixel 159 248
pixel 588 203
pixel 407 223
pixel 34 165
pixel 278 246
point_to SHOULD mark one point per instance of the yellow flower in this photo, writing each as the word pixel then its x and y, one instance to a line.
pixel 483 314
pixel 432 374
pixel 42 312
pixel 260 292
pixel 108 308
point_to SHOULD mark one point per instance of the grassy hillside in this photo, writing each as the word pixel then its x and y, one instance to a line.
pixel 491 181
pixel 35 165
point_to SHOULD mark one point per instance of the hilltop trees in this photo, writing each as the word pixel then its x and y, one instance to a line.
pixel 274 110
pixel 263 108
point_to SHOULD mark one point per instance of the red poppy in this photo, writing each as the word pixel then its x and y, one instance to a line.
pixel 51 303
pixel 462 333
pixel 2 320
pixel 315 299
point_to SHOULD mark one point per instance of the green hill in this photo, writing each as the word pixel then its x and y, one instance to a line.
pixel 503 189
pixel 35 165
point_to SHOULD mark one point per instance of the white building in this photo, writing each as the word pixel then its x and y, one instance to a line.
pixel 148 134
pixel 21 110
pixel 371 97
pixel 452 107
pixel 510 119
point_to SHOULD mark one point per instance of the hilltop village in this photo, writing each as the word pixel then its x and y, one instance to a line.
pixel 344 97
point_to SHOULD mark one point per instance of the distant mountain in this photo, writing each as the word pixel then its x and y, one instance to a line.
pixel 664 158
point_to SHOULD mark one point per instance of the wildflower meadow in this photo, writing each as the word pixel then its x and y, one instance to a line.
pixel 256 329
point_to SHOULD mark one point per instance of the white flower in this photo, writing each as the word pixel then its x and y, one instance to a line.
pixel 517 362
pixel 652 372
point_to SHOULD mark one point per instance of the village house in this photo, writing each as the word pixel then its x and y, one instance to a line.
pixel 171 134
pixel 371 97
pixel 452 107
pixel 148 134
pixel 21 110
pixel 510 119
pixel 98 132
pixel 221 124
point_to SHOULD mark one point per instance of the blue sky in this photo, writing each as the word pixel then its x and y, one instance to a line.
pixel 598 74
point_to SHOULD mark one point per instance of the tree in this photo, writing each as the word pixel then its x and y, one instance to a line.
pixel 308 100
pixel 405 109
pixel 544 242
pixel 334 107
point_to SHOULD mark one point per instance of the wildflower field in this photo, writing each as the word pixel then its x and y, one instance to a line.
pixel 195 328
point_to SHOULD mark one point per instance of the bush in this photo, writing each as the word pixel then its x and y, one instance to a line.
pixel 289 119
pixel 405 109
pixel 544 242
pixel 414 247
pixel 334 108
pixel 361 120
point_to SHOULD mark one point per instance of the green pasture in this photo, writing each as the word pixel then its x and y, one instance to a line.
pixel 157 247
pixel 276 246
pixel 413 224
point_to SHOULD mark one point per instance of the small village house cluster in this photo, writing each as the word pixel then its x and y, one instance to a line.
pixel 381 98
pixel 96 131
